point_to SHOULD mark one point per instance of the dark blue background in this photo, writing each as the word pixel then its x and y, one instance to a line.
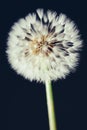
pixel 26 100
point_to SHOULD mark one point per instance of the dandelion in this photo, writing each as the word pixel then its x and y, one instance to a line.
pixel 44 47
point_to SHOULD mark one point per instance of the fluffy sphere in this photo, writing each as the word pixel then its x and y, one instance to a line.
pixel 44 46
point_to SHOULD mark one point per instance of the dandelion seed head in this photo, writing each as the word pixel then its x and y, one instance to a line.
pixel 44 46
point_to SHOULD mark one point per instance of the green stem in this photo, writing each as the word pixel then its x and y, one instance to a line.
pixel 50 106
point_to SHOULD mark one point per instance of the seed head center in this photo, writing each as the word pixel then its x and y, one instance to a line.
pixel 40 46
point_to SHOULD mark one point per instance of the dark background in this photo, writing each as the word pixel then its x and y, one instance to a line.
pixel 26 100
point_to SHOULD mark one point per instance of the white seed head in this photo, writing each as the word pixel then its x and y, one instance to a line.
pixel 44 46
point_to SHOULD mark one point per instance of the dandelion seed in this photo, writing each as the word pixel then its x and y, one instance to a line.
pixel 44 47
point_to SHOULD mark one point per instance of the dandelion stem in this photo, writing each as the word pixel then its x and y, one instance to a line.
pixel 50 106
